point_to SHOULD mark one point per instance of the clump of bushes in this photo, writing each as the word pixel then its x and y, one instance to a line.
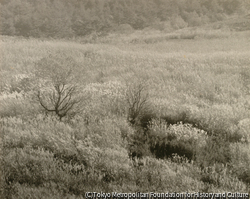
pixel 50 151
pixel 216 150
pixel 240 160
pixel 182 139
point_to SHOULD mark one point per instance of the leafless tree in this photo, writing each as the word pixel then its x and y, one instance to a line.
pixel 58 90
pixel 137 100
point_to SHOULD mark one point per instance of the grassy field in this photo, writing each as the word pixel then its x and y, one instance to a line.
pixel 197 139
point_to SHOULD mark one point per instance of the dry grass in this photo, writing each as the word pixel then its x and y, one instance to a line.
pixel 200 79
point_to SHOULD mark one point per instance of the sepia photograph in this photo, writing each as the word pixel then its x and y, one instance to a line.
pixel 124 99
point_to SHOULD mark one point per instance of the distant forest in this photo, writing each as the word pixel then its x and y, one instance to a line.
pixel 69 18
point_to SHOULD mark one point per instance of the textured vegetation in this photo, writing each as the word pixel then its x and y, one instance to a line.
pixel 77 18
pixel 167 116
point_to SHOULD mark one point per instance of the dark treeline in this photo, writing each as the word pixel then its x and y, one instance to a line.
pixel 64 18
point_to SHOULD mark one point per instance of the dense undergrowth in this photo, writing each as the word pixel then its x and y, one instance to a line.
pixel 170 117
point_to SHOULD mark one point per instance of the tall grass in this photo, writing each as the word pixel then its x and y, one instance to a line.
pixel 198 138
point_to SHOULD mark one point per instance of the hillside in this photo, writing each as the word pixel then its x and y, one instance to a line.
pixel 77 18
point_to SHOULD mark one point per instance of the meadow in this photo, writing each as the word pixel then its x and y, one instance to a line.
pixel 196 86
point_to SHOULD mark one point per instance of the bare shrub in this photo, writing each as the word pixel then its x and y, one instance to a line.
pixel 139 116
pixel 137 102
pixel 58 90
